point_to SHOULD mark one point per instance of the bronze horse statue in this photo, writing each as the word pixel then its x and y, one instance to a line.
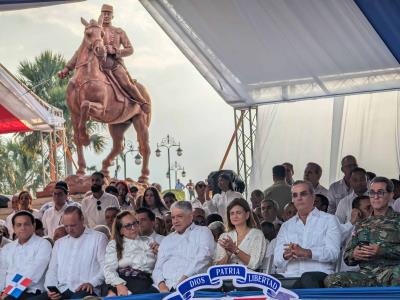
pixel 91 95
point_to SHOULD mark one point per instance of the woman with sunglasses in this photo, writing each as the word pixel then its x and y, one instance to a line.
pixel 129 260
pixel 243 244
pixel 152 200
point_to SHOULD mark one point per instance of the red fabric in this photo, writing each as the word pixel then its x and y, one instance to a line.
pixel 10 123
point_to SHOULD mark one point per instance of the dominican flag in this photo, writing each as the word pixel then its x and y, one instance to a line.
pixel 18 285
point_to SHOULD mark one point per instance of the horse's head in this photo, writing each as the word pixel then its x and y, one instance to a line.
pixel 94 36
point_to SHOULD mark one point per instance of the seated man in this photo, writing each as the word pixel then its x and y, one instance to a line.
pixel 76 265
pixel 28 255
pixel 147 220
pixel 359 186
pixel 307 245
pixel 186 252
pixel 375 245
pixel 321 202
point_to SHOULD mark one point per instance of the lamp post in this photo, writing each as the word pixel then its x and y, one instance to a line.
pixel 169 142
pixel 138 157
pixel 176 168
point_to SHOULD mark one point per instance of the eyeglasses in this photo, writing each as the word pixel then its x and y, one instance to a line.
pixel 379 193
pixel 301 194
pixel 98 205
pixel 131 225
pixel 201 185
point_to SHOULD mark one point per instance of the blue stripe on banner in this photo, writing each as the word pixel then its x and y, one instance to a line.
pixel 384 16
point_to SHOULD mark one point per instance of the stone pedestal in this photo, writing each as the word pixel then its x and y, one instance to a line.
pixel 79 185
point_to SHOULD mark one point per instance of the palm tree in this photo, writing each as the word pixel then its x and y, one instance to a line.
pixel 20 169
pixel 40 76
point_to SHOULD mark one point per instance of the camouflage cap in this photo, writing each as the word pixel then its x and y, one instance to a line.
pixel 107 7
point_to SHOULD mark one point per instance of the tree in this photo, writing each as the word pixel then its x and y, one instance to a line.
pixel 20 169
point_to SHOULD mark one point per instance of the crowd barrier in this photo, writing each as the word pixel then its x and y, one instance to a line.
pixel 304 294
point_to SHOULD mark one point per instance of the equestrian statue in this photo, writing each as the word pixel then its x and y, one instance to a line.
pixel 102 90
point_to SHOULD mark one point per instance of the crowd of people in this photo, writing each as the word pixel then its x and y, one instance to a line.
pixel 117 242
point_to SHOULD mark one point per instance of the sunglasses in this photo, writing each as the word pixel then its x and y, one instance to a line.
pixel 98 205
pixel 201 185
pixel 130 225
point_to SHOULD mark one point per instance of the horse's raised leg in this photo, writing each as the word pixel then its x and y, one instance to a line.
pixel 117 132
pixel 144 148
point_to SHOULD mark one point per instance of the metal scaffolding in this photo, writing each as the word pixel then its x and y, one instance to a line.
pixel 246 122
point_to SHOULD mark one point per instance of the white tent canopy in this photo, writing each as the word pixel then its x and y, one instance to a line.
pixel 258 52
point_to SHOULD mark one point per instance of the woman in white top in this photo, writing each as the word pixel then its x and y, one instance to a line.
pixel 243 244
pixel 129 259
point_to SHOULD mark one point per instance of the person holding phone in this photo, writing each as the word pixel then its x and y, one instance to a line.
pixel 129 259
pixel 77 260
pixel 375 244
pixel 244 244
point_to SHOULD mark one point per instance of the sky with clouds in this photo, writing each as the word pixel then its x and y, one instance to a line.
pixel 184 104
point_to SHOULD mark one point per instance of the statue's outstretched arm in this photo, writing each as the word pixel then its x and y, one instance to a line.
pixel 126 44
pixel 72 62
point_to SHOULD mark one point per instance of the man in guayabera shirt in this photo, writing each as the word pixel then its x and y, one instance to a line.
pixel 341 188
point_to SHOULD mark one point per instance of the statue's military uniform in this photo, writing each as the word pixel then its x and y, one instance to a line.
pixel 115 37
pixel 384 268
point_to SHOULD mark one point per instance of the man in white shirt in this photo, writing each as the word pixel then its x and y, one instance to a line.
pixel 313 173
pixel 359 186
pixel 94 205
pixel 308 245
pixel 341 188
pixel 183 253
pixel 147 221
pixel 52 217
pixel 77 260
pixel 28 255
pixel 220 202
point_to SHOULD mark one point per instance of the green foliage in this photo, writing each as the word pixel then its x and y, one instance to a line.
pixel 20 157
pixel 19 168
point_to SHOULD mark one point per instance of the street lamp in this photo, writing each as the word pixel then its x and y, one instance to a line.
pixel 138 157
pixel 169 143
pixel 176 168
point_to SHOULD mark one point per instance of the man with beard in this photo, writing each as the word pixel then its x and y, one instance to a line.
pixel 93 206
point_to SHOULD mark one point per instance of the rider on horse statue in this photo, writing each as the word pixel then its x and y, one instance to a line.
pixel 113 38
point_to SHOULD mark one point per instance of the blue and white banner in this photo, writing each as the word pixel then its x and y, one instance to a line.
pixel 240 276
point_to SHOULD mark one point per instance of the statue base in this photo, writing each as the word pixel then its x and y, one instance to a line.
pixel 80 185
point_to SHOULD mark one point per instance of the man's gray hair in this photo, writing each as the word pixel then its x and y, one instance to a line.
pixel 309 184
pixel 186 206
pixel 389 183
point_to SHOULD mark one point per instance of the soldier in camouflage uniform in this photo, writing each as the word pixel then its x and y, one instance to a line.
pixel 375 244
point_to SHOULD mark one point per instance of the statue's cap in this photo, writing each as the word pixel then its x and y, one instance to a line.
pixel 107 7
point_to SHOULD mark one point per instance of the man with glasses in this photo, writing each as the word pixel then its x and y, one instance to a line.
pixel 77 260
pixel 341 188
pixel 308 244
pixel 375 245
pixel 186 252
pixel 94 206
pixel 52 217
